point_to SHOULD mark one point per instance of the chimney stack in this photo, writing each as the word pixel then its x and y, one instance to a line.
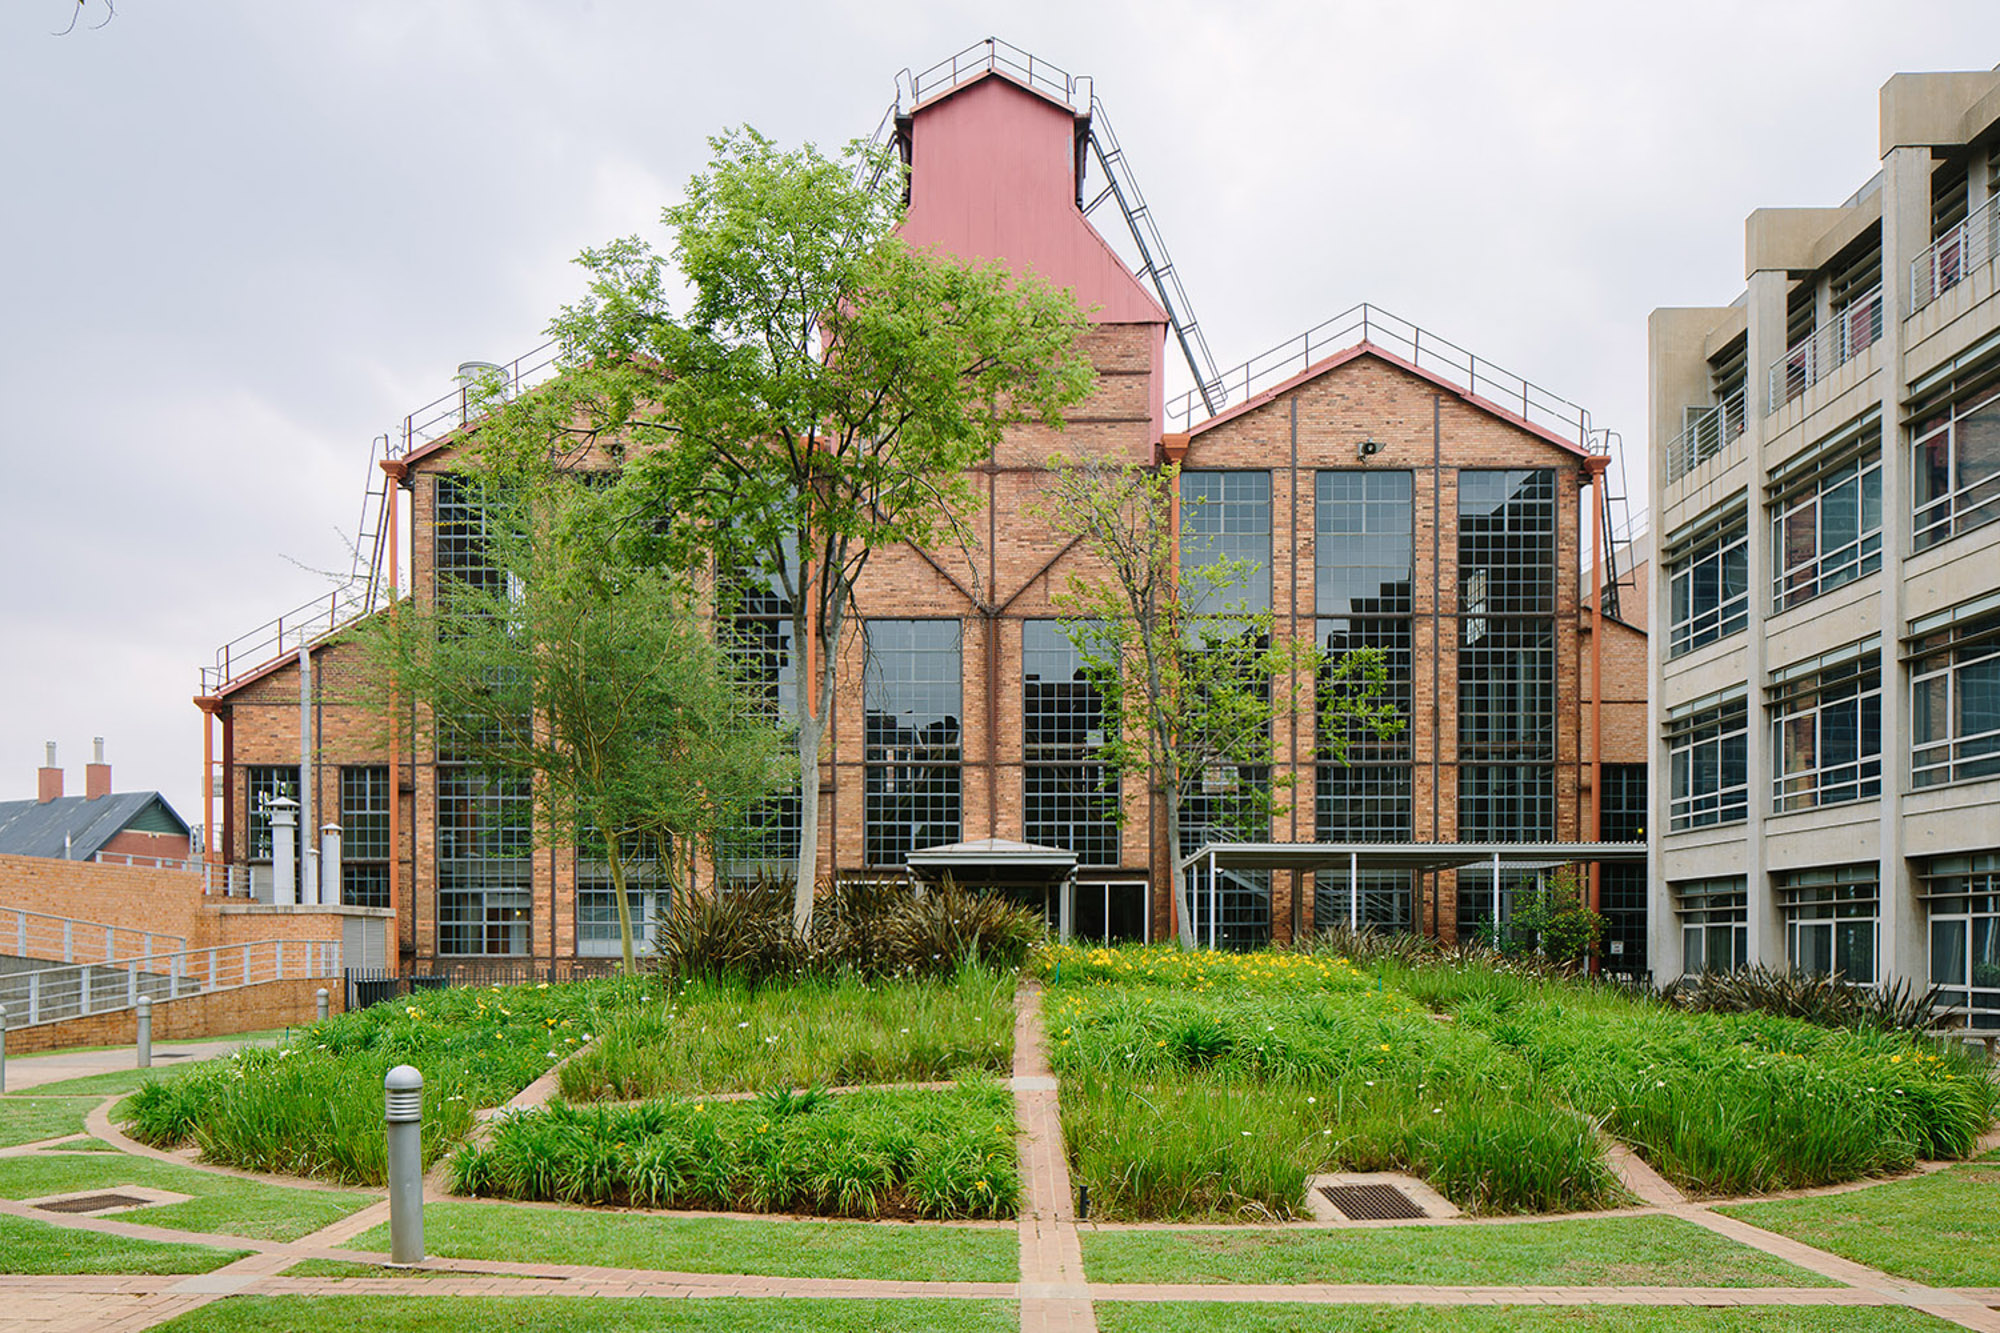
pixel 48 778
pixel 97 773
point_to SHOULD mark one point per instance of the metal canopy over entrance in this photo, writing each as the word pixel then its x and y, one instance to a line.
pixel 1043 877
pixel 1354 857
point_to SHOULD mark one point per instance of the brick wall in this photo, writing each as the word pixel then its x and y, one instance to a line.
pixel 270 1004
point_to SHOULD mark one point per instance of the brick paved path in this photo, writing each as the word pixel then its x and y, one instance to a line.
pixel 1052 1292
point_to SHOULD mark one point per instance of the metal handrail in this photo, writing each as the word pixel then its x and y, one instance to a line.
pixel 52 994
pixel 1855 328
pixel 1370 324
pixel 446 413
pixel 1952 257
pixel 36 934
pixel 994 54
pixel 1705 436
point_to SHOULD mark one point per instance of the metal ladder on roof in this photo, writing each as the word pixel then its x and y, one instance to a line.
pixel 1617 520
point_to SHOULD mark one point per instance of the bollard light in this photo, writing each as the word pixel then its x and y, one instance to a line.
pixel 403 1113
pixel 145 1010
pixel 319 1004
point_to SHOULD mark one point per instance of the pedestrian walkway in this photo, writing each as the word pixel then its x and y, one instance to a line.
pixel 1053 1292
pixel 34 1071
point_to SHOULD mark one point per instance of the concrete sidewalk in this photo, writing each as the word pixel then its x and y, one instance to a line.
pixel 33 1071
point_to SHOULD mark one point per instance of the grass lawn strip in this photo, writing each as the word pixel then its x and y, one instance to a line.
pixel 31 1247
pixel 104 1085
pixel 346 1268
pixel 32 1119
pixel 564 1314
pixel 222 1205
pixel 1607 1252
pixel 885 1251
pixel 1941 1229
pixel 1222 1317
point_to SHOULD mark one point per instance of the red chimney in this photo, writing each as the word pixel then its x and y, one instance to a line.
pixel 48 778
pixel 96 773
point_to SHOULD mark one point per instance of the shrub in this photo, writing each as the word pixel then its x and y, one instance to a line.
pixel 1822 998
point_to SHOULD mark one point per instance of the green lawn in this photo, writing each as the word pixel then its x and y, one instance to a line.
pixel 345 1268
pixel 1223 1317
pixel 1615 1252
pixel 39 1247
pixel 1941 1229
pixel 888 1250
pixel 564 1314
pixel 104 1085
pixel 31 1119
pixel 222 1205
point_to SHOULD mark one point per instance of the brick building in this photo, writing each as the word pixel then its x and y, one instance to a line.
pixel 1386 494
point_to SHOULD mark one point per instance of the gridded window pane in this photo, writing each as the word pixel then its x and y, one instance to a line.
pixel 1955 698
pixel 1071 799
pixel 1827 531
pixel 1378 898
pixel 647 895
pixel 1715 923
pixel 1827 734
pixel 1708 576
pixel 1227 516
pixel 1956 471
pixel 1362 543
pixel 1622 815
pixel 364 837
pixel 1232 910
pixel 1621 898
pixel 1506 542
pixel 1830 919
pixel 484 837
pixel 1363 803
pixel 267 782
pixel 912 691
pixel 1367 798
pixel 765 844
pixel 1962 895
pixel 1708 760
pixel 461 550
pixel 1506 690
pixel 1506 803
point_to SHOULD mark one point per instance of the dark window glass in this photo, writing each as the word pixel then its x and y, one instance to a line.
pixel 364 837
pixel 484 836
pixel 1708 758
pixel 1071 798
pixel 759 640
pixel 1362 544
pixel 1227 516
pixel 1506 542
pixel 914 728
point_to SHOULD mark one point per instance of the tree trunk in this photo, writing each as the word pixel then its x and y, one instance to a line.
pixel 624 908
pixel 1177 875
pixel 811 731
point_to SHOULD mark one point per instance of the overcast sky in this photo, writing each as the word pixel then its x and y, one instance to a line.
pixel 239 240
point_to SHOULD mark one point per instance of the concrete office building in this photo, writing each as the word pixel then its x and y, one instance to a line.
pixel 1826 593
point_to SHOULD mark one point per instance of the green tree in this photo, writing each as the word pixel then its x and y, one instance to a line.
pixel 573 662
pixel 818 399
pixel 1192 674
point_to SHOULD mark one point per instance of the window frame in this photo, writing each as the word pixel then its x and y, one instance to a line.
pixel 1952 512
pixel 912 768
pixel 1714 548
pixel 1803 493
pixel 1808 700
pixel 1724 723
pixel 1940 651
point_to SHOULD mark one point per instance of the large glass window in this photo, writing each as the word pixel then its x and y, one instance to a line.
pixel 1708 758
pixel 1228 802
pixel 1070 795
pixel 1955 694
pixel 267 782
pixel 1506 542
pixel 364 837
pixel 912 688
pixel 1378 898
pixel 1955 470
pixel 1708 578
pixel 485 834
pixel 1826 724
pixel 1962 896
pixel 1715 923
pixel 759 641
pixel 1226 516
pixel 648 896
pixel 1826 526
pixel 1830 920
pixel 1363 572
pixel 1622 885
pixel 460 539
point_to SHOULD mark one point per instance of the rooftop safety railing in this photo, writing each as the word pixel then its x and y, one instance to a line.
pixel 446 413
pixel 217 879
pixel 1705 436
pixel 994 54
pixel 1852 331
pixel 1426 350
pixel 298 628
pixel 51 994
pixel 1954 256
pixel 25 934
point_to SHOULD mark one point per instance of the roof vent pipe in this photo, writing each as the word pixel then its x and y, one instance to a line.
pixel 480 383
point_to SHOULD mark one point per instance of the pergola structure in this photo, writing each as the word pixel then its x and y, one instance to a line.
pixel 1021 869
pixel 1354 857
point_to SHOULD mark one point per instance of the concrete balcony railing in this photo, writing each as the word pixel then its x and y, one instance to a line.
pixel 1852 331
pixel 1955 256
pixel 1706 435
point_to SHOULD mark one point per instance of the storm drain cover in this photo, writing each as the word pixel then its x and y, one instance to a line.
pixel 1370 1203
pixel 92 1203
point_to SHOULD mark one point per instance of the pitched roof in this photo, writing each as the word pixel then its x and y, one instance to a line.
pixel 1366 348
pixel 40 828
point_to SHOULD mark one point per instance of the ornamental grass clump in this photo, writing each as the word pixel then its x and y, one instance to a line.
pixel 930 1154
pixel 724 1036
pixel 314 1106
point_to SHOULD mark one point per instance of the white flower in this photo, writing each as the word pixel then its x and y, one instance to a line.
pixel 1310 1101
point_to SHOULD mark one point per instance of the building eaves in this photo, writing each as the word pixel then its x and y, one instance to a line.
pixel 72 824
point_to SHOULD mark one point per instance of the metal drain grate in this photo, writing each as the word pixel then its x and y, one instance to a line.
pixel 92 1203
pixel 1371 1203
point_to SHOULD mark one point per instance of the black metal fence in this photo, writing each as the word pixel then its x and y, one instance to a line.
pixel 366 986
